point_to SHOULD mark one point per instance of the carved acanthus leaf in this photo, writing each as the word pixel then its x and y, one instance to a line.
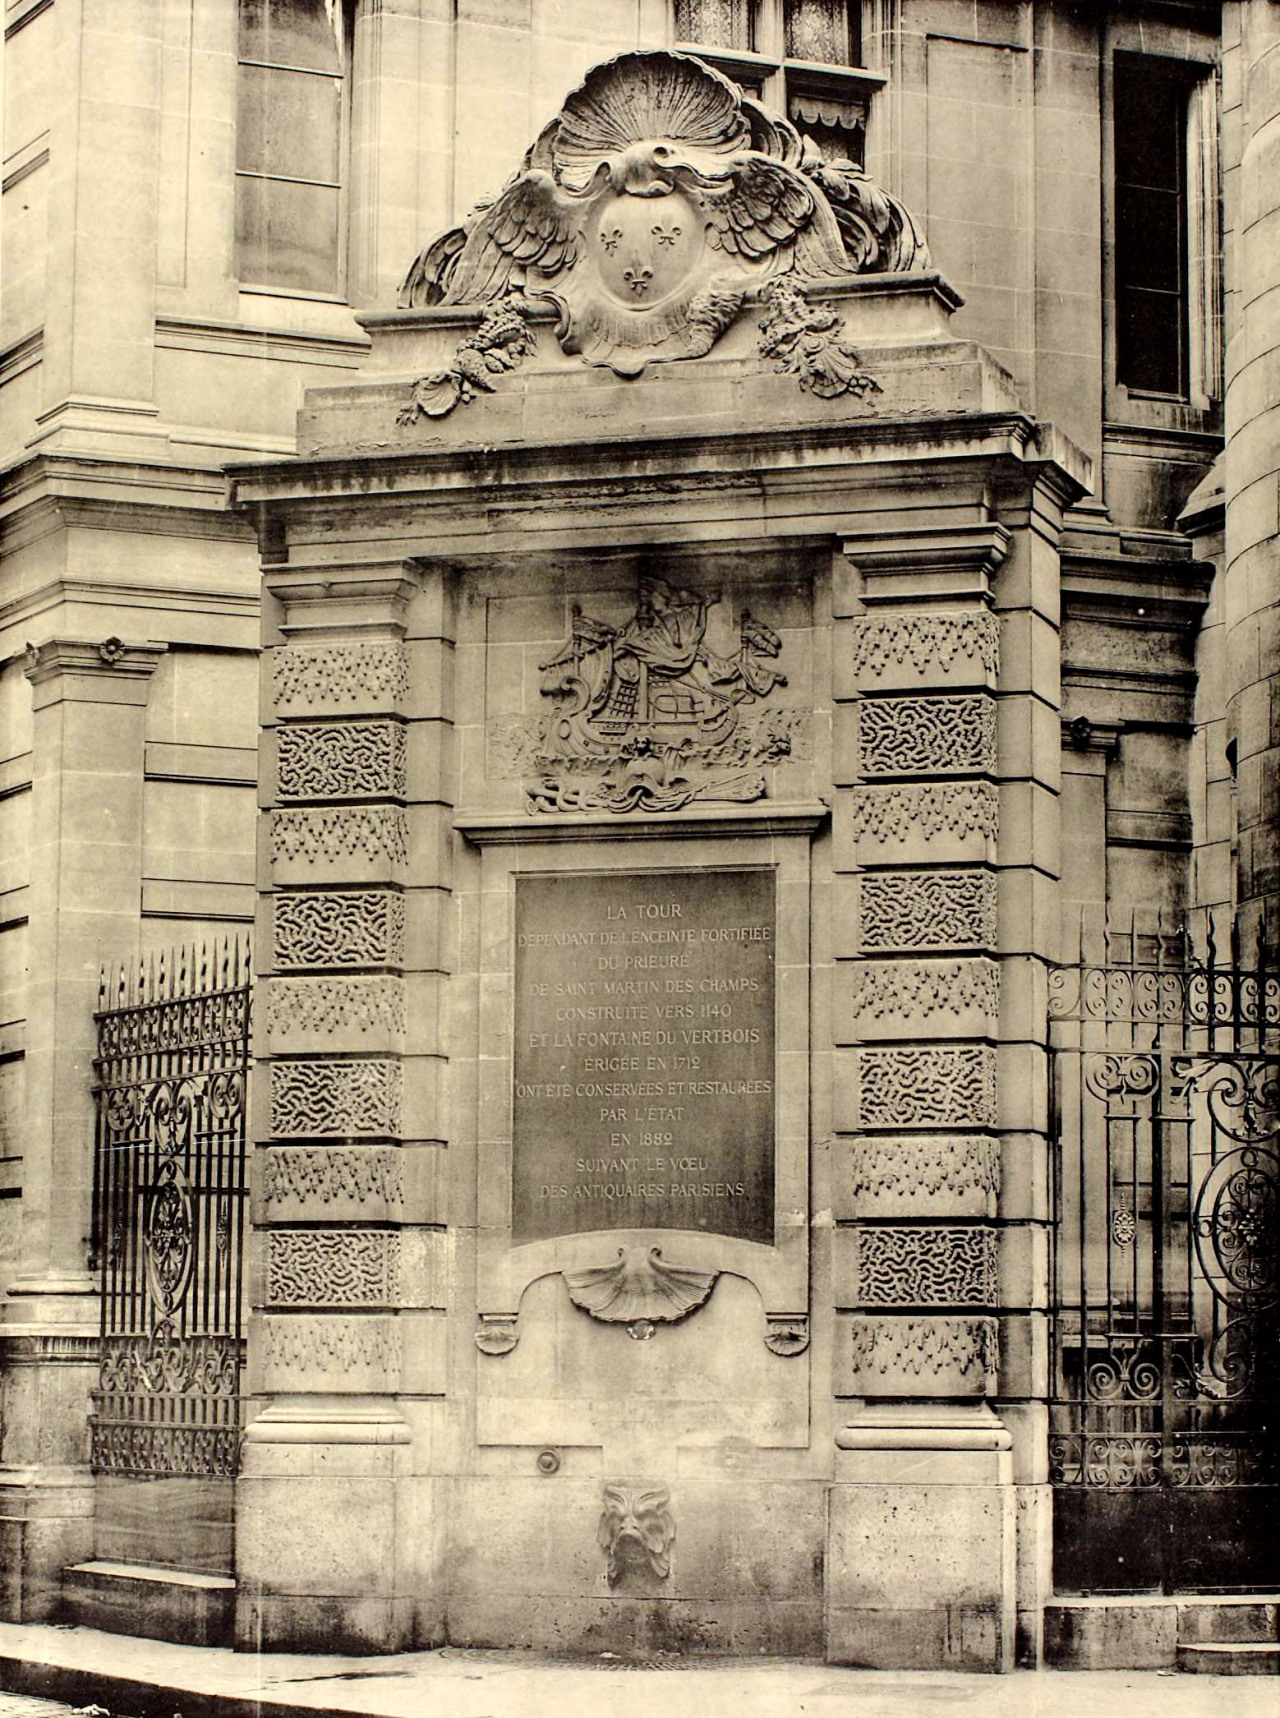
pixel 809 344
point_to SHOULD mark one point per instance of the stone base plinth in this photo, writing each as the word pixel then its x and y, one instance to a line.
pixel 921 1543
pixel 320 1543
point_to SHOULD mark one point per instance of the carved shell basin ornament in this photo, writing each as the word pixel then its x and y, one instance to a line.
pixel 640 1286
pixel 645 212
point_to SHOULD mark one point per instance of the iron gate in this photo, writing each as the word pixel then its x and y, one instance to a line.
pixel 1166 1316
pixel 169 1198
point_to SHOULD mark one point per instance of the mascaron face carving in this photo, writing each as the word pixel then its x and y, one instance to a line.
pixel 637 1530
pixel 650 205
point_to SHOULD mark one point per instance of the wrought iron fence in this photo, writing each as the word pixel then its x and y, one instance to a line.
pixel 1166 1266
pixel 169 1202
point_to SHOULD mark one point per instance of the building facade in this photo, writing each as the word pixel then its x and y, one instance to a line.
pixel 888 656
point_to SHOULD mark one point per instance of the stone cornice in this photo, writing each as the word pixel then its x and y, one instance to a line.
pixel 951 557
pixel 1166 593
pixel 90 665
pixel 646 466
pixel 46 492
pixel 766 817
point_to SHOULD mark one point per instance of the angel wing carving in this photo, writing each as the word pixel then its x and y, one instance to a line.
pixel 528 227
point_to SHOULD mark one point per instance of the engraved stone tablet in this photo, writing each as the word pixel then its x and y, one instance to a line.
pixel 644 1053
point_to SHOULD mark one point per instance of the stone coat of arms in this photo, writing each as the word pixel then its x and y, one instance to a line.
pixel 649 716
pixel 646 210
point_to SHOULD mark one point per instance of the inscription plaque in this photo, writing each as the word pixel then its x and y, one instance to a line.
pixel 644 1053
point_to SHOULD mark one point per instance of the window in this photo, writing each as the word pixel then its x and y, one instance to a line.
pixel 800 56
pixel 1151 283
pixel 290 144
pixel 716 23
pixel 821 30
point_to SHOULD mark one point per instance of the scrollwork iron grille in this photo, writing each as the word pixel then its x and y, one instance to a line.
pixel 169 1206
pixel 1163 1447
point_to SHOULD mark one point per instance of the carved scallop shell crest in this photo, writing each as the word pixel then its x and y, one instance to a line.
pixel 639 1285
pixel 638 98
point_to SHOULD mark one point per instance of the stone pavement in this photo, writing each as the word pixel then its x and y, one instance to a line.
pixel 152 1679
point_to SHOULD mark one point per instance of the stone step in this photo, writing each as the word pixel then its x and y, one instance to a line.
pixel 1224 1619
pixel 160 1604
pixel 1231 1658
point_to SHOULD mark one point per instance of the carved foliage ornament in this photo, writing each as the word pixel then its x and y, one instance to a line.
pixel 646 210
pixel 916 1165
pixel 924 988
pixel 925 641
pixel 370 833
pixel 959 809
pixel 335 1005
pixel 342 1344
pixel 322 1174
pixel 374 673
pixel 648 714
pixel 928 1348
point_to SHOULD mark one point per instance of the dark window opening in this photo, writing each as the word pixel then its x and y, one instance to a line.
pixel 837 128
pixel 1150 124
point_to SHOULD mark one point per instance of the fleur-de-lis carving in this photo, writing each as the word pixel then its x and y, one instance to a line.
pixel 666 235
pixel 638 278
pixel 610 238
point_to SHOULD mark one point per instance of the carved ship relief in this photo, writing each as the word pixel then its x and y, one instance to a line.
pixel 650 716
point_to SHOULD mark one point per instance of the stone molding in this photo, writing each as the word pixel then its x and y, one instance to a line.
pixel 77 670
pixel 925 910
pixel 945 734
pixel 48 1348
pixel 349 927
pixel 935 1086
